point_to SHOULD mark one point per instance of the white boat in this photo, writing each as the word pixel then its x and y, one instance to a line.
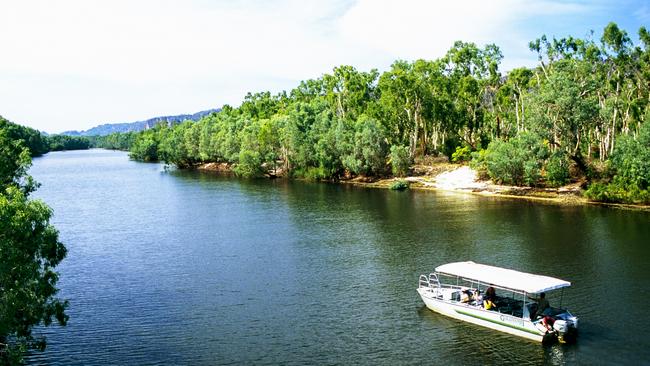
pixel 458 290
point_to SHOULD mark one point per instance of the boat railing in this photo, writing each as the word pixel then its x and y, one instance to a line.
pixel 430 281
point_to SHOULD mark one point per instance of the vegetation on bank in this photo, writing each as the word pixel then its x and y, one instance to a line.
pixel 39 144
pixel 29 249
pixel 580 115
pixel 116 141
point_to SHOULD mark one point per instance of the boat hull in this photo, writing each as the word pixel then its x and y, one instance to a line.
pixel 479 316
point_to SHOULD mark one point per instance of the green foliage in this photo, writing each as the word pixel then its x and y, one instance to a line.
pixel 29 252
pixel 115 141
pixel 14 162
pixel 313 173
pixel 579 104
pixel 479 163
pixel 631 158
pixel 145 148
pixel 177 145
pixel 369 148
pixel 451 144
pixel 600 192
pixel 250 164
pixel 399 185
pixel 631 166
pixel 63 142
pixel 461 154
pixel 32 139
pixel 557 169
pixel 400 160
pixel 517 161
pixel 617 191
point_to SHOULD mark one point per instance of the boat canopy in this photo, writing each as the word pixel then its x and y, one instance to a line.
pixel 502 277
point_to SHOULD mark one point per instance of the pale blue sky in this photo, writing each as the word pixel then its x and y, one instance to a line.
pixel 74 64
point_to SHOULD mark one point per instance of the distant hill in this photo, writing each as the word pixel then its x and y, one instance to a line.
pixel 109 128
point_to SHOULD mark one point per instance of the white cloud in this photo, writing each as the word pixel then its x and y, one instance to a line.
pixel 412 29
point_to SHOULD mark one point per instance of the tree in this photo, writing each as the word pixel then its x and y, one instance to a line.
pixel 518 161
pixel 63 142
pixel 145 147
pixel 32 139
pixel 630 164
pixel 29 252
pixel 368 155
pixel 585 97
pixel 174 144
pixel 631 159
pixel 400 161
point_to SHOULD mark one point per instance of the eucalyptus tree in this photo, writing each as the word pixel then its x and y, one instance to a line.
pixel 475 78
pixel 616 47
pixel 349 91
pixel 511 100
pixel 261 105
pixel 369 149
pixel 404 98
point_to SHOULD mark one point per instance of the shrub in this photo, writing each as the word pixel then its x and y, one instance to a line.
pixel 400 161
pixel 312 173
pixel 557 169
pixel 598 192
pixel 478 163
pixel 145 148
pixel 250 164
pixel 461 154
pixel 631 158
pixel 399 185
pixel 617 192
pixel 504 163
pixel 518 161
pixel 451 144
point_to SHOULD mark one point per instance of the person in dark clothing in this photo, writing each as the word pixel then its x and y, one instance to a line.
pixel 542 304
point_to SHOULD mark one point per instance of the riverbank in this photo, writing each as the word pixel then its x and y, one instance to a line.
pixel 464 180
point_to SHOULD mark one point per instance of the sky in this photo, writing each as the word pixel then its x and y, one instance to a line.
pixel 75 64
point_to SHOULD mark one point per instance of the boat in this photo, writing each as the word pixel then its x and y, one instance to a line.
pixel 461 290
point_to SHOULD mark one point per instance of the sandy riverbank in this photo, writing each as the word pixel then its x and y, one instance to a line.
pixel 464 180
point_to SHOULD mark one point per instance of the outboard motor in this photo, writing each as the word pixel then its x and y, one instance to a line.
pixel 560 326
pixel 566 327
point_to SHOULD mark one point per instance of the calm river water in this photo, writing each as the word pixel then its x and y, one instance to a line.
pixel 169 267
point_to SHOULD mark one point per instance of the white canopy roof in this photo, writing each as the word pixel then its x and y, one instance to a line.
pixel 502 277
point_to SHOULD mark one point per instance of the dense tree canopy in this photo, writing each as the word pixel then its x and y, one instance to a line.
pixel 33 140
pixel 585 97
pixel 29 252
pixel 63 142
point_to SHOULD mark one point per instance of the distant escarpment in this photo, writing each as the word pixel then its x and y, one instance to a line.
pixel 109 128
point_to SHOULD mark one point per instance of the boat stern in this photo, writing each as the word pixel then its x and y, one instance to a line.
pixel 566 328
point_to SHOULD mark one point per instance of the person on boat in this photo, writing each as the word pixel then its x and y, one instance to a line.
pixel 468 296
pixel 548 322
pixel 489 298
pixel 542 304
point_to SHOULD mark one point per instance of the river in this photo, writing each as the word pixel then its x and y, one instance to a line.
pixel 176 267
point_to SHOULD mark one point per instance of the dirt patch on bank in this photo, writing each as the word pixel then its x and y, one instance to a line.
pixel 215 167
